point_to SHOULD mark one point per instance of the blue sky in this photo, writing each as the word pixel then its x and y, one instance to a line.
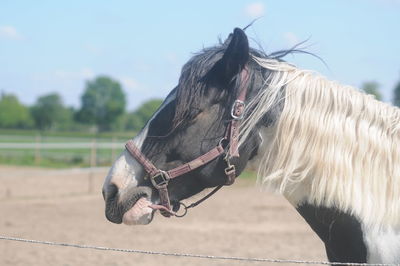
pixel 55 46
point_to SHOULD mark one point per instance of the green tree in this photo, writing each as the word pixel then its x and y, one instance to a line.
pixel 396 98
pixel 372 87
pixel 49 111
pixel 66 120
pixel 102 103
pixel 13 114
pixel 138 118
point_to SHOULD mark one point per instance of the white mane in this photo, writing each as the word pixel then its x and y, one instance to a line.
pixel 331 145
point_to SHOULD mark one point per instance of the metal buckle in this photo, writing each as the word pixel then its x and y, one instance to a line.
pixel 160 179
pixel 235 105
pixel 230 169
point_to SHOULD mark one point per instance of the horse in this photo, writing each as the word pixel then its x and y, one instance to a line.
pixel 329 149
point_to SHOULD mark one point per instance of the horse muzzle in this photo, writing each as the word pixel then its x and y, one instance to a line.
pixel 129 206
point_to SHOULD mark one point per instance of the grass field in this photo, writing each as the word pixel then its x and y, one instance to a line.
pixel 63 157
pixel 57 158
pixel 73 135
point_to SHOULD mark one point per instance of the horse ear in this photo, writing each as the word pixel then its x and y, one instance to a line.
pixel 234 59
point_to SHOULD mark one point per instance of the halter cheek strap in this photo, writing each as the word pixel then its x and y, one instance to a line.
pixel 160 178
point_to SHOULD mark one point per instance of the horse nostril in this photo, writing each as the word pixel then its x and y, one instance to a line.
pixel 112 210
pixel 110 192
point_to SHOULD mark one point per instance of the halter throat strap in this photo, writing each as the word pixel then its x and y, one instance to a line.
pixel 160 178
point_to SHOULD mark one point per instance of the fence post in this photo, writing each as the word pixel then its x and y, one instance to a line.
pixel 93 154
pixel 93 163
pixel 37 149
pixel 113 152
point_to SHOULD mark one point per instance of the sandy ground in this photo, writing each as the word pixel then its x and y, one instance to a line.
pixel 67 206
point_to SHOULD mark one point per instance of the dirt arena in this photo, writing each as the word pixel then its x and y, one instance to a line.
pixel 67 206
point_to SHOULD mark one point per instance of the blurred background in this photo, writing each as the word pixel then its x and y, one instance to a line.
pixel 93 72
pixel 79 78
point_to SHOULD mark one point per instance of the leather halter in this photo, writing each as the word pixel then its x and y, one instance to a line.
pixel 160 178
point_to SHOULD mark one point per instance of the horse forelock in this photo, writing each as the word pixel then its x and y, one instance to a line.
pixel 332 145
pixel 190 90
pixel 192 85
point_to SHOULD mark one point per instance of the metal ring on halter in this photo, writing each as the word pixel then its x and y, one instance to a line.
pixel 184 212
pixel 236 107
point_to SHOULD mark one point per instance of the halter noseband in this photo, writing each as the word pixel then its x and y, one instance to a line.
pixel 160 179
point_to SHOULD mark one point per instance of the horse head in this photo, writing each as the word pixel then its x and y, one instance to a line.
pixel 193 120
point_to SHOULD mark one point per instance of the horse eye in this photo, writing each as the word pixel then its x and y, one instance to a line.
pixel 172 156
pixel 196 112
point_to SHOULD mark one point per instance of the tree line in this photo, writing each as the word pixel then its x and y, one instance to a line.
pixel 103 108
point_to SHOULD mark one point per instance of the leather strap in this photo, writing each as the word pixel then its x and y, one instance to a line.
pixel 138 155
pixel 164 200
pixel 237 114
pixel 178 171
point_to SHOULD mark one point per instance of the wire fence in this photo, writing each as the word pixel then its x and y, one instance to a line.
pixel 186 255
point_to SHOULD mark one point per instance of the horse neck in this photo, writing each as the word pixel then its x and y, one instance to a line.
pixel 333 146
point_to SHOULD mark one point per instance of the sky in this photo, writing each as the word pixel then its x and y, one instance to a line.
pixel 57 46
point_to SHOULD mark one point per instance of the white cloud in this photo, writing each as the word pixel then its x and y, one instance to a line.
pixel 291 38
pixel 93 49
pixel 68 83
pixel 171 58
pixel 10 33
pixel 255 10
pixel 84 73
pixel 129 83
